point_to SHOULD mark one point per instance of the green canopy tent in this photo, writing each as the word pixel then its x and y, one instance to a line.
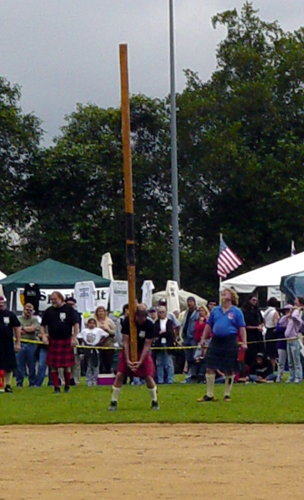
pixel 50 274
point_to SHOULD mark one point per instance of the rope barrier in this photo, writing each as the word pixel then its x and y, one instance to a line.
pixel 173 348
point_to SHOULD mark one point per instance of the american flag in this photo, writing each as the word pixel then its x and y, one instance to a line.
pixel 227 261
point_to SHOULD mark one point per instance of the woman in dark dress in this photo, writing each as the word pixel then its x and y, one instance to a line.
pixel 254 327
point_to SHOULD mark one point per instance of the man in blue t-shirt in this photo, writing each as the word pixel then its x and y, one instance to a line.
pixel 225 322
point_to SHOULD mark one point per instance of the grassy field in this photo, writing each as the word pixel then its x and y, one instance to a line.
pixel 268 403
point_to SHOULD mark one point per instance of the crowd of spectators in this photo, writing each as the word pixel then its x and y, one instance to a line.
pixel 273 337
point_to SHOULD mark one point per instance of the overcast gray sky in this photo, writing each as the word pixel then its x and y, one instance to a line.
pixel 66 51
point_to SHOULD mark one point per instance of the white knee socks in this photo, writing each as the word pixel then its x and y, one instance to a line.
pixel 228 384
pixel 8 378
pixel 115 393
pixel 153 393
pixel 210 379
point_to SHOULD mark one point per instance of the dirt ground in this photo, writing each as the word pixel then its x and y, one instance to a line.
pixel 148 462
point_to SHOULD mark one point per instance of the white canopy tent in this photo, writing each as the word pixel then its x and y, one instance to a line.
pixel 2 276
pixel 268 276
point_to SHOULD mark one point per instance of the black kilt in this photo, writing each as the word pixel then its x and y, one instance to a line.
pixel 60 353
pixel 7 353
pixel 223 353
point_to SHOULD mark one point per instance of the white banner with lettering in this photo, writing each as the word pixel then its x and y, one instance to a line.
pixel 101 297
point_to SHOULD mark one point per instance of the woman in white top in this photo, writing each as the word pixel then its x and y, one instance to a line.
pixel 164 338
pixel 271 317
pixel 106 356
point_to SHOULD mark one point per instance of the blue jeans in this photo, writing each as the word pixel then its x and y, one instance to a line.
pixel 164 363
pixel 294 360
pixel 41 367
pixel 26 358
pixel 254 378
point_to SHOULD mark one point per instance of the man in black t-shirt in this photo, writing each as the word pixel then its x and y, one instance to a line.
pixel 144 367
pixel 62 323
pixel 9 326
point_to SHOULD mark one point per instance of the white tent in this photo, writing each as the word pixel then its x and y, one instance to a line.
pixel 269 276
pixel 183 295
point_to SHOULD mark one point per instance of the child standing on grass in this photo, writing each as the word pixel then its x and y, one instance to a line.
pixel 92 336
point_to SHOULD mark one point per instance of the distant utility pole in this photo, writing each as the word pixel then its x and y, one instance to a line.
pixel 174 172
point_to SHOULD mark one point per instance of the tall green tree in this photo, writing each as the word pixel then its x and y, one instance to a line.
pixel 20 136
pixel 241 144
pixel 77 197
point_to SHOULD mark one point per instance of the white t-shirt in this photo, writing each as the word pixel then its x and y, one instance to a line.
pixel 268 317
pixel 172 296
pixel 163 324
pixel 118 295
pixel 147 289
pixel 92 336
pixel 84 292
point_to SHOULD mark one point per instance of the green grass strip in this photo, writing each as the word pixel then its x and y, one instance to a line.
pixel 265 403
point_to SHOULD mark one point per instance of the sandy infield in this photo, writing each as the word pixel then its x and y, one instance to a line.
pixel 147 462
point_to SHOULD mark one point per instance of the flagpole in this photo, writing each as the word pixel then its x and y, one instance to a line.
pixel 293 248
pixel 174 169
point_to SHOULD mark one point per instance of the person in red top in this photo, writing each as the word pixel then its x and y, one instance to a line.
pixel 200 324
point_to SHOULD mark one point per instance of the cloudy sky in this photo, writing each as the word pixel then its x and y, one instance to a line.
pixel 66 51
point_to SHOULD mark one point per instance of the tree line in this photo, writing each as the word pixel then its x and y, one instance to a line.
pixel 240 160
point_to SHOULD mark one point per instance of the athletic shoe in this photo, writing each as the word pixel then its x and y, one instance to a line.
pixel 8 389
pixel 289 381
pixel 67 389
pixel 297 381
pixel 206 399
pixel 154 405
pixel 227 398
pixel 113 406
pixel 56 390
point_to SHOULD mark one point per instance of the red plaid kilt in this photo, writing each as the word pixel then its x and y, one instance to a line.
pixel 147 369
pixel 60 353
